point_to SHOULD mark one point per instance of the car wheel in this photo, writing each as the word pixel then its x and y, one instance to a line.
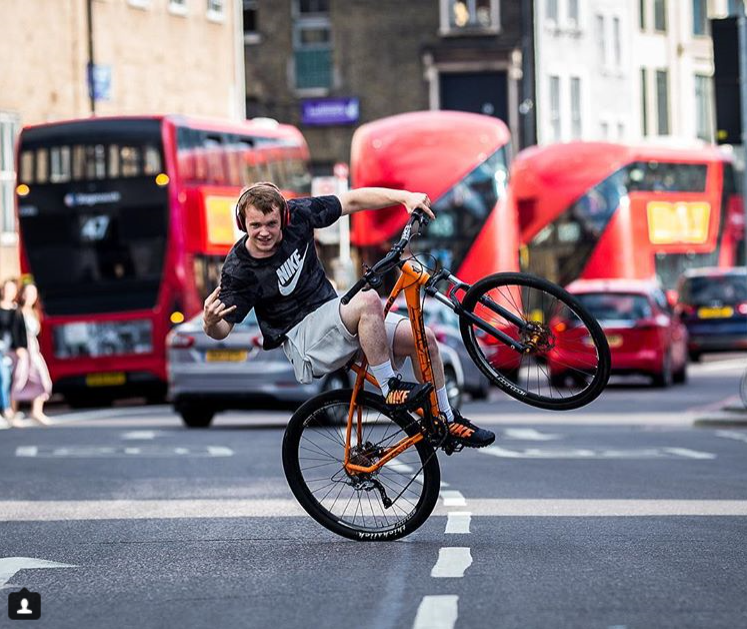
pixel 334 382
pixel 694 356
pixel 453 390
pixel 195 416
pixel 680 376
pixel 665 377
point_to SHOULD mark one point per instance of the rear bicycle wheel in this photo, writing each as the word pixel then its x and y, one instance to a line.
pixel 568 362
pixel 352 505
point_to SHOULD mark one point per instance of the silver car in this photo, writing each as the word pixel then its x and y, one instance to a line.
pixel 207 376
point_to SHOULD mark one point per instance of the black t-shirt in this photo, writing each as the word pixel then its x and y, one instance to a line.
pixel 288 285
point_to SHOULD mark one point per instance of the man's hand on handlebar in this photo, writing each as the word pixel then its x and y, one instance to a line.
pixel 414 200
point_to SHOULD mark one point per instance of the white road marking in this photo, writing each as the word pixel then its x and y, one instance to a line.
pixel 458 522
pixel 437 612
pixel 121 451
pixel 26 450
pixel 61 510
pixel 453 498
pixel 452 562
pixel 10 565
pixel 732 434
pixel 529 434
pixel 599 453
pixel 721 365
pixel 140 434
pixel 690 454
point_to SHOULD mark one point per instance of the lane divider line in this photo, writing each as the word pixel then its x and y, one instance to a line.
pixel 453 498
pixel 458 522
pixel 452 562
pixel 437 612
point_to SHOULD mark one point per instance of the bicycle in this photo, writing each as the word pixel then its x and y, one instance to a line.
pixel 366 472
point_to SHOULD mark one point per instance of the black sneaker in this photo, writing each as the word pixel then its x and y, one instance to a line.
pixel 406 396
pixel 466 433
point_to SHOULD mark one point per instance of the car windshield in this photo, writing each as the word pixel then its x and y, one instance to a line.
pixel 616 306
pixel 725 288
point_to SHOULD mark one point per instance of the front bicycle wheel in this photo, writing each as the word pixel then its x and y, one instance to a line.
pixel 352 504
pixel 567 362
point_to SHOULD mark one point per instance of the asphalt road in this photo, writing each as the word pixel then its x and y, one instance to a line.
pixel 618 516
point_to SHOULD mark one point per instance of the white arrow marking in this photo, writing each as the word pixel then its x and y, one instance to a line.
pixel 10 565
pixel 140 434
pixel 529 434
pixel 452 562
pixel 437 612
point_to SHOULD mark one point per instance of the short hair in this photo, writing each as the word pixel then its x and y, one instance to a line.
pixel 265 197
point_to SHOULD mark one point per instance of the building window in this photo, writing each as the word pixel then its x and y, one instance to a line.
pixel 605 128
pixel 469 15
pixel 552 11
pixel 662 101
pixel 555 108
pixel 251 27
pixel 736 7
pixel 573 12
pixel 312 45
pixel 601 40
pixel 700 17
pixel 8 131
pixel 575 107
pixel 703 109
pixel 644 102
pixel 642 14
pixel 660 15
pixel 178 7
pixel 140 4
pixel 216 10
pixel 617 41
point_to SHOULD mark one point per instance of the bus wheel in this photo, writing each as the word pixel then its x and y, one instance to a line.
pixel 195 416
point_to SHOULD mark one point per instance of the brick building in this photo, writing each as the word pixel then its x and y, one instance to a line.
pixel 153 56
pixel 330 65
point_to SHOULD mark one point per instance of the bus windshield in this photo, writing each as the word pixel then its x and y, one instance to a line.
pixel 94 220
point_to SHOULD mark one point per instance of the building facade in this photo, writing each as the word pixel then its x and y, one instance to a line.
pixel 150 56
pixel 329 66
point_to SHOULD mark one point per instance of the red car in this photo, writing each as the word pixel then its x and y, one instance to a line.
pixel 644 333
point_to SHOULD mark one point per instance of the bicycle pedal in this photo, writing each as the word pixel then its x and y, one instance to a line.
pixel 451 446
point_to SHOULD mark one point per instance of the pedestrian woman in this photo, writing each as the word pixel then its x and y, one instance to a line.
pixel 31 381
pixel 12 342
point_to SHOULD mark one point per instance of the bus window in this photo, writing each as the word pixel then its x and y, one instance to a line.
pixel 207 273
pixel 130 161
pixel 27 167
pixel 152 163
pixel 98 161
pixel 60 163
pixel 114 167
pixel 669 177
pixel 42 165
pixel 214 156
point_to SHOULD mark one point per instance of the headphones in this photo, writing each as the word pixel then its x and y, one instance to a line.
pixel 284 209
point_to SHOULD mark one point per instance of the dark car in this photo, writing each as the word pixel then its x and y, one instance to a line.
pixel 713 305
pixel 644 334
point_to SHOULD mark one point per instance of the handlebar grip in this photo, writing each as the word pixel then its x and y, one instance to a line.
pixel 353 291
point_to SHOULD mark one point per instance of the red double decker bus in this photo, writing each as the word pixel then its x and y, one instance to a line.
pixel 599 210
pixel 460 160
pixel 124 223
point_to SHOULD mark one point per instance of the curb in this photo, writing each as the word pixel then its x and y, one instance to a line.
pixel 722 419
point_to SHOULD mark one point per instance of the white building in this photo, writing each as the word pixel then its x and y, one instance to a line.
pixel 625 69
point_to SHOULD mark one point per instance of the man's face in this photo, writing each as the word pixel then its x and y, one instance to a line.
pixel 263 230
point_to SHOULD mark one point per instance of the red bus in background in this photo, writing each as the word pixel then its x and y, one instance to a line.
pixel 460 160
pixel 599 210
pixel 124 223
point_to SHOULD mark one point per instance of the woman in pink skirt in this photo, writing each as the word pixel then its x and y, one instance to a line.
pixel 31 381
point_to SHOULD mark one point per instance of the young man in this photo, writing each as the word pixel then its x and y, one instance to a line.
pixel 275 269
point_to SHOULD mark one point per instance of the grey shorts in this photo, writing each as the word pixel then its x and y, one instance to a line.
pixel 321 343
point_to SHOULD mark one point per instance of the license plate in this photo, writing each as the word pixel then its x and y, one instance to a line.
pixel 614 340
pixel 715 313
pixel 226 355
pixel 111 379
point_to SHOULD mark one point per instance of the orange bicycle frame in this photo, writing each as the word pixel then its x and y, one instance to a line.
pixel 411 281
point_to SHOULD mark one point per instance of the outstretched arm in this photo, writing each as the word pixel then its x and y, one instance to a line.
pixel 376 198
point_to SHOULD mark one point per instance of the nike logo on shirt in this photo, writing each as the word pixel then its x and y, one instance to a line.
pixel 290 272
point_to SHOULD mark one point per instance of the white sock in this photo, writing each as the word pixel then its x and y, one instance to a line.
pixel 382 373
pixel 443 403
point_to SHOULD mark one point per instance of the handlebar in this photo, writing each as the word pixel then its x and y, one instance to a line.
pixel 418 219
